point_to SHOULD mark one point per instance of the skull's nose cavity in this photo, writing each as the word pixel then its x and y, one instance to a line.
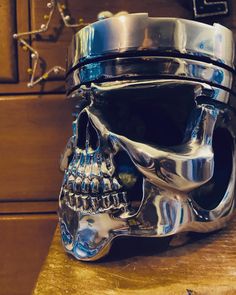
pixel 87 135
pixel 92 137
pixel 81 129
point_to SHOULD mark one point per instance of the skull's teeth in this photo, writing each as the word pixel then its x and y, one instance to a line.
pixel 94 203
pixel 78 202
pixel 85 203
pixel 85 186
pixel 90 185
pixel 106 203
pixel 106 185
pixel 81 164
pixel 124 197
pixel 77 185
pixel 115 199
pixel 95 170
pixel 93 186
pixel 92 163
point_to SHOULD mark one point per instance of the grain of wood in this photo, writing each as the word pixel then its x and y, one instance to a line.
pixel 8 72
pixel 25 240
pixel 33 133
pixel 205 266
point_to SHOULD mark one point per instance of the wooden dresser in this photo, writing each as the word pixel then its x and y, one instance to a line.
pixel 35 124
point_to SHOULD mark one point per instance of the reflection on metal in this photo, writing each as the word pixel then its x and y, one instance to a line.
pixel 152 67
pixel 152 152
pixel 138 34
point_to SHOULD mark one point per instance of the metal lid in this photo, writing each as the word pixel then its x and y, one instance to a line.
pixel 139 34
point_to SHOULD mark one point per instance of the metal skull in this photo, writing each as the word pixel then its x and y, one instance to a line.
pixel 152 150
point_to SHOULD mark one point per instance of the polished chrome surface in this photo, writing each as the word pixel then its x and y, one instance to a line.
pixel 150 67
pixel 140 34
pixel 94 203
pixel 153 148
pixel 200 88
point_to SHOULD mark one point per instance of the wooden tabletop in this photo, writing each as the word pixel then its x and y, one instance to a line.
pixel 205 265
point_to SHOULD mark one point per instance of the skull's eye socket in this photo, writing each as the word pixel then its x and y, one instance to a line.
pixel 157 116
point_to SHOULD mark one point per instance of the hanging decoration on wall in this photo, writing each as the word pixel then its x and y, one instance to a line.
pixel 35 56
pixel 52 5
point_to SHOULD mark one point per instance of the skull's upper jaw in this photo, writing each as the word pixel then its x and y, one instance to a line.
pixel 164 212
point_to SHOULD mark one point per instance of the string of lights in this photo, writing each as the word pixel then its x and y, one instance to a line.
pixel 34 54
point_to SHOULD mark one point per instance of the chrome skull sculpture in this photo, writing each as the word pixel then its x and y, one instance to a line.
pixel 152 152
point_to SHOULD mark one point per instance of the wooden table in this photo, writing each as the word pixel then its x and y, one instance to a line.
pixel 205 265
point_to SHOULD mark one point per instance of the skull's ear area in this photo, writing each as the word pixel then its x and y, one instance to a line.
pixel 211 194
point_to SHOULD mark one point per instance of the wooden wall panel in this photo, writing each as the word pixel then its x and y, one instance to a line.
pixel 36 207
pixel 15 58
pixel 25 240
pixel 33 132
pixel 8 52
